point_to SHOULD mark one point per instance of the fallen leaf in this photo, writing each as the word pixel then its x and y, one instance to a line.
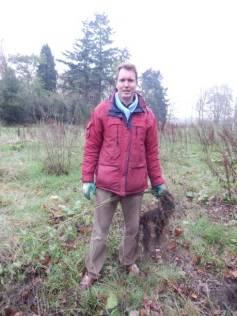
pixel 147 303
pixel 178 231
pixel 194 296
pixel 156 254
pixel 231 262
pixel 155 306
pixel 231 274
pixel 46 261
pixel 143 312
pixel 209 265
pixel 56 213
pixel 175 288
pixel 200 271
pixel 234 274
pixel 62 207
pixel 85 229
pixel 150 305
pixel 55 198
pixel 196 260
pixel 69 244
pixel 172 245
pixel 186 244
pixel 177 259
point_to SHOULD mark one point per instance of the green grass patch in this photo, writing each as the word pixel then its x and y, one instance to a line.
pixel 213 233
pixel 211 241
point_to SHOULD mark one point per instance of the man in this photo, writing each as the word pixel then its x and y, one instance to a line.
pixel 121 151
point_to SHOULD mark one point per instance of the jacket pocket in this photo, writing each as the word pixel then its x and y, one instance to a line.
pixel 138 157
pixel 108 176
pixel 138 146
pixel 137 177
pixel 110 152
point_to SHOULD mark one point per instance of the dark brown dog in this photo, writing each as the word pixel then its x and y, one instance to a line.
pixel 154 221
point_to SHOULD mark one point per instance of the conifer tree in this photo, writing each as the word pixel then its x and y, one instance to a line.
pixel 154 93
pixel 92 62
pixel 46 69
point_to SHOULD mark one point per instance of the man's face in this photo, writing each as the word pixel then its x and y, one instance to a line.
pixel 126 85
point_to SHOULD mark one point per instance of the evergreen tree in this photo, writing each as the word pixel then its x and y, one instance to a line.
pixel 10 109
pixel 155 94
pixel 104 57
pixel 92 62
pixel 78 76
pixel 46 69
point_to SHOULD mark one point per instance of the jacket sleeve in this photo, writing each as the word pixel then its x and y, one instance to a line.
pixel 152 153
pixel 92 146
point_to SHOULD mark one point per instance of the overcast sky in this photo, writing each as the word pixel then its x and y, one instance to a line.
pixel 192 42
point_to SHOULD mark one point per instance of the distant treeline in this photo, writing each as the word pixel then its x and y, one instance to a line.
pixel 32 90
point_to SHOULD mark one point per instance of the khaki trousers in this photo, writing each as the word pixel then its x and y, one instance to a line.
pixel 106 206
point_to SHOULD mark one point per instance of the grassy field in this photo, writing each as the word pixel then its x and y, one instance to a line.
pixel 46 225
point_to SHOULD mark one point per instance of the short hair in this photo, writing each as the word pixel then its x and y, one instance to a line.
pixel 129 67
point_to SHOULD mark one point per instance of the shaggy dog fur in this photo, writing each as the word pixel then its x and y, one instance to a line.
pixel 154 221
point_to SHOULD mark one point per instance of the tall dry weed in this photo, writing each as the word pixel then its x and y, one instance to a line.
pixel 58 141
pixel 220 149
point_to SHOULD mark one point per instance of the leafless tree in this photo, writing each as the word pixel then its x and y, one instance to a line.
pixel 235 115
pixel 201 105
pixel 216 105
pixel 220 104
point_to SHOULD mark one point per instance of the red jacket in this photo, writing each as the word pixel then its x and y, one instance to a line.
pixel 120 154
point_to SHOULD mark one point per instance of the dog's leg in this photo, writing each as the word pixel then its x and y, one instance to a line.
pixel 146 237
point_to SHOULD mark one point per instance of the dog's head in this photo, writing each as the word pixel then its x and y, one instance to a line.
pixel 167 201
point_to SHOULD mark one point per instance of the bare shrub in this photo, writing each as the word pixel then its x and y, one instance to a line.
pixel 58 140
pixel 207 135
pixel 176 138
pixel 220 149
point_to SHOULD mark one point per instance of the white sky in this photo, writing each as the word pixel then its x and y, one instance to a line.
pixel 192 42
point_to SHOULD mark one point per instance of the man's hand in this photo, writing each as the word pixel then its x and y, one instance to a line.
pixel 88 190
pixel 158 189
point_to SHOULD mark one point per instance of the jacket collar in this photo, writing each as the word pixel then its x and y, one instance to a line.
pixel 115 111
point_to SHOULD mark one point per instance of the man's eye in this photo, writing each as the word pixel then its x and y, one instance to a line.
pixel 129 80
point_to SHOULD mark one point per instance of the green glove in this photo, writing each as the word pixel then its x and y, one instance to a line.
pixel 88 190
pixel 158 190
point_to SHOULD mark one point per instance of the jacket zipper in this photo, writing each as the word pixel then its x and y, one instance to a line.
pixel 117 135
pixel 127 158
